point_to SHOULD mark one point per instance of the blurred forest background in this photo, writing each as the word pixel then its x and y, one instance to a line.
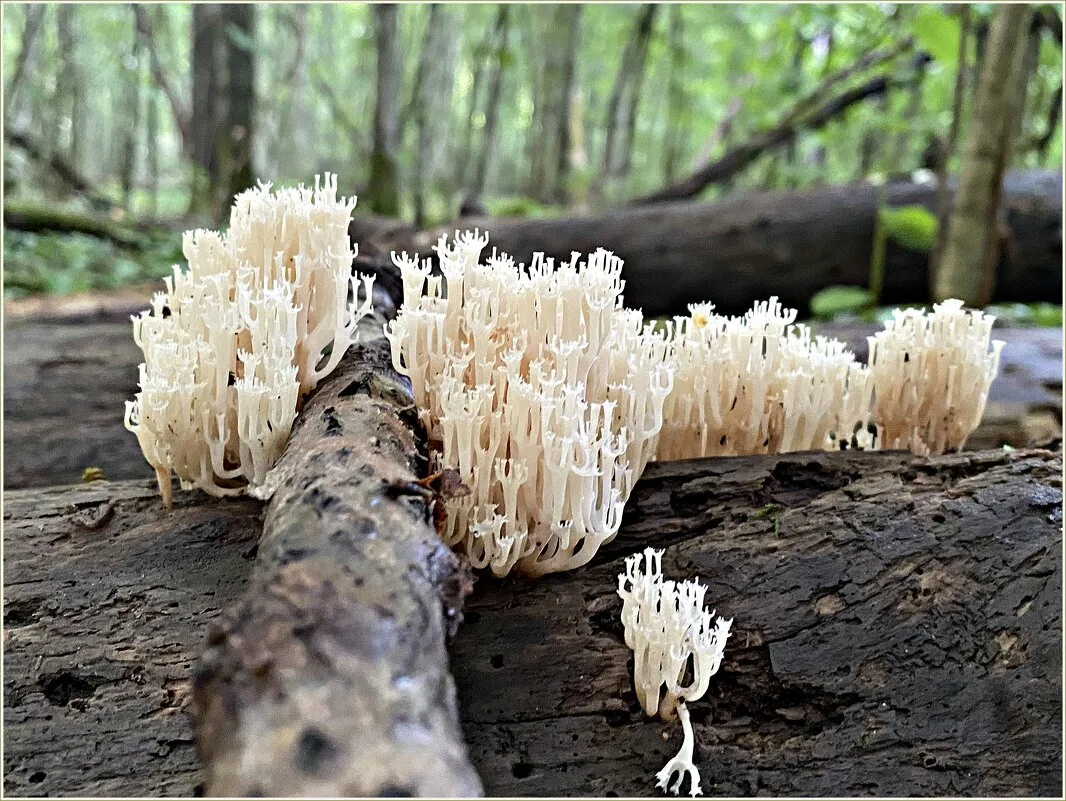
pixel 127 123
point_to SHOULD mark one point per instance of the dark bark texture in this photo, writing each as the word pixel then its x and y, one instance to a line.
pixel 70 364
pixel 789 244
pixel 897 632
pixel 330 676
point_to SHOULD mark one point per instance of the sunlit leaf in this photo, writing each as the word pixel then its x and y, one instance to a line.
pixel 911 227
pixel 836 300
pixel 938 34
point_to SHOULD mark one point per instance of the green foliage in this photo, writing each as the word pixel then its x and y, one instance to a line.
pixel 1036 315
pixel 61 264
pixel 834 301
pixel 911 227
pixel 938 33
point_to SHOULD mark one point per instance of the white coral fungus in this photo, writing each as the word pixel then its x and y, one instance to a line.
pixel 931 376
pixel 759 384
pixel 539 389
pixel 241 334
pixel 671 634
pixel 682 763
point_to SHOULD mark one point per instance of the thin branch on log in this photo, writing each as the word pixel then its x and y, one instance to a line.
pixel 24 216
pixel 330 677
pixel 810 114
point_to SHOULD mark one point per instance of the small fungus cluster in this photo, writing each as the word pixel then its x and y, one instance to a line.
pixel 931 376
pixel 760 384
pixel 674 639
pixel 240 335
pixel 540 390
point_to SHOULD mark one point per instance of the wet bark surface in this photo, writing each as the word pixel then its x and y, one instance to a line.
pixel 897 632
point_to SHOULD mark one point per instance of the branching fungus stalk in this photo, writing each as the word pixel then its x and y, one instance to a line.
pixel 540 390
pixel 673 638
pixel 931 376
pixel 260 316
pixel 759 384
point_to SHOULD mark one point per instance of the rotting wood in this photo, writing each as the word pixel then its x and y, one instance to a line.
pixel 752 245
pixel 330 676
pixel 898 632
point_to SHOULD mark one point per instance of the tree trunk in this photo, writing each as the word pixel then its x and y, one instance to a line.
pixel 433 73
pixel 383 192
pixel 972 244
pixel 205 124
pixel 677 114
pixel 897 633
pixel 177 106
pixel 70 79
pixel 34 21
pixel 551 151
pixel 237 137
pixel 620 124
pixel 501 31
pixel 130 117
pixel 951 143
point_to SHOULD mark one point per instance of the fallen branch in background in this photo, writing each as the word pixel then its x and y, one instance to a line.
pixel 810 113
pixel 22 215
pixel 60 167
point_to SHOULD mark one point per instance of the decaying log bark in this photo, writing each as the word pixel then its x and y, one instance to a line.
pixel 897 632
pixel 69 366
pixel 790 244
pixel 330 676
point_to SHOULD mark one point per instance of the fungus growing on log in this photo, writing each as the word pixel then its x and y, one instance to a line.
pixel 931 375
pixel 673 638
pixel 260 316
pixel 540 390
pixel 759 384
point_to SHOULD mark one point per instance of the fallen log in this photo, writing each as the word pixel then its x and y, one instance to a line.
pixel 69 368
pixel 898 632
pixel 789 244
pixel 26 216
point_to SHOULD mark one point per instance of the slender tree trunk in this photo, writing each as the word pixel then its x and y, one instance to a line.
pixel 238 133
pixel 296 122
pixel 34 21
pixel 151 151
pixel 423 106
pixel 131 117
pixel 898 158
pixel 677 114
pixel 552 144
pixel 177 106
pixel 620 124
pixel 383 193
pixel 1030 63
pixel 492 106
pixel 971 250
pixel 205 118
pixel 70 80
pixel 948 150
pixel 467 148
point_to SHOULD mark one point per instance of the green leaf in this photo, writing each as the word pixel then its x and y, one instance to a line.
pixel 836 300
pixel 938 33
pixel 911 227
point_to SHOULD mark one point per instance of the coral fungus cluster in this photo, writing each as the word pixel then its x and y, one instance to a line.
pixel 540 389
pixel 241 334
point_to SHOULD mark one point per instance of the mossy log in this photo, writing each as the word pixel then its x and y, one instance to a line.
pixel 897 632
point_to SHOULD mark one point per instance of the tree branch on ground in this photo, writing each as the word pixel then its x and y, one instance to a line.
pixel 60 167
